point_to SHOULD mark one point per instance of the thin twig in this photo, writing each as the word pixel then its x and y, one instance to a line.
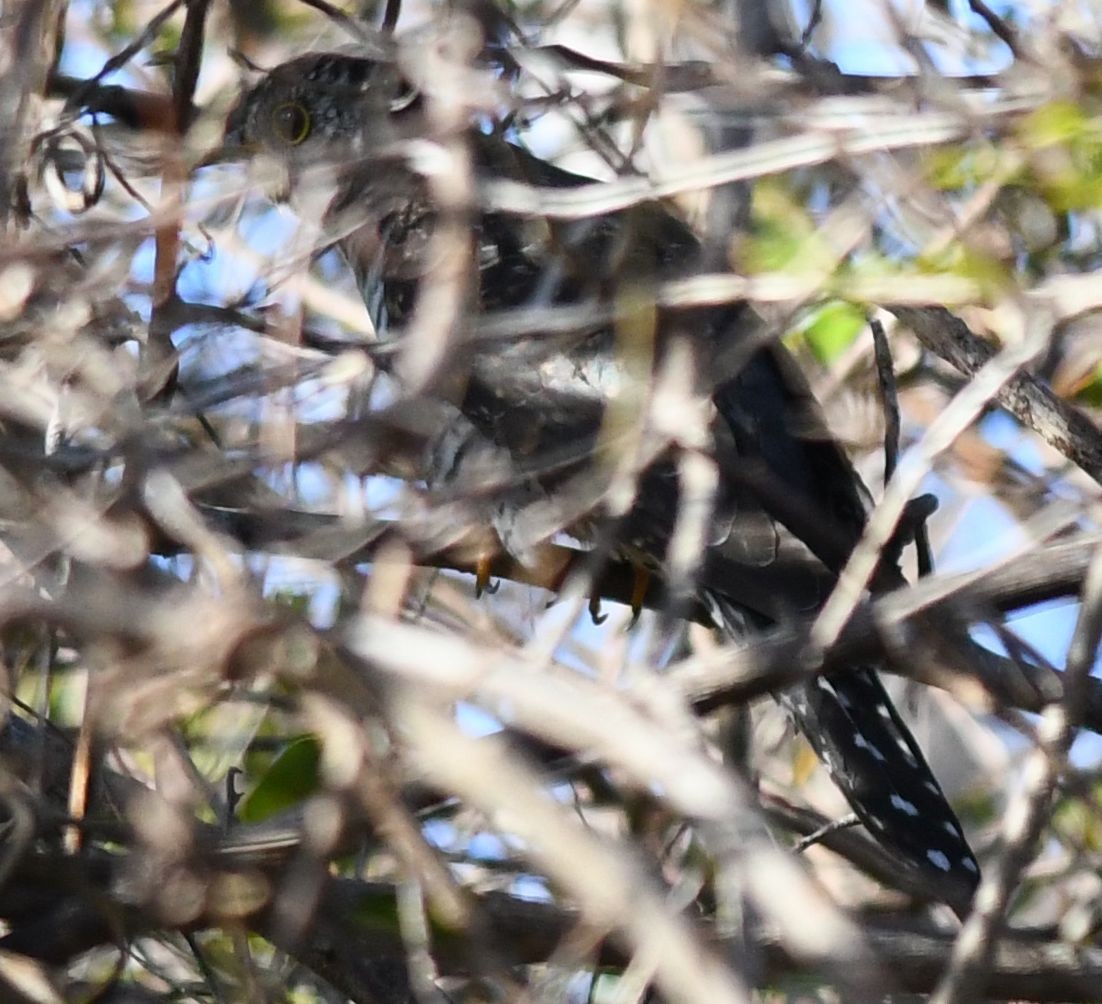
pixel 1028 811
pixel 882 353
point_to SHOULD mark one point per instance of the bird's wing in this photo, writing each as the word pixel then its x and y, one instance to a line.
pixel 793 504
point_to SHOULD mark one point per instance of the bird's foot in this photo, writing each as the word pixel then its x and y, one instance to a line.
pixel 482 581
pixel 915 514
pixel 640 584
pixel 595 614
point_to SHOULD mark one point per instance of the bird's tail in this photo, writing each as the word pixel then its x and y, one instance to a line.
pixel 857 733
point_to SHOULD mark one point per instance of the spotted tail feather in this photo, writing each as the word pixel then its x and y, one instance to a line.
pixel 858 735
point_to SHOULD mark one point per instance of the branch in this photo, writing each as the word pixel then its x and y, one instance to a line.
pixel 908 630
pixel 354 941
pixel 1058 423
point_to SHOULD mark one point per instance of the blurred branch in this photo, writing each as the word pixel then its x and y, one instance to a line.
pixel 354 28
pixel 895 627
pixel 160 362
pixel 139 110
pixel 879 131
pixel 1030 808
pixel 28 57
pixel 187 62
pixel 349 952
pixel 912 630
pixel 999 27
pixel 1061 425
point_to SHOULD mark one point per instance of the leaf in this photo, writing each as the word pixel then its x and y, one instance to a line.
pixel 804 763
pixel 833 328
pixel 1089 392
pixel 1077 823
pixel 966 262
pixel 955 168
pixel 1055 123
pixel 784 236
pixel 293 776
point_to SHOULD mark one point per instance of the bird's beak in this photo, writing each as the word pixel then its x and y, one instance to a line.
pixel 272 175
pixel 231 149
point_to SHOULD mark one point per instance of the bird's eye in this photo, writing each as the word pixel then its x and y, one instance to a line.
pixel 291 123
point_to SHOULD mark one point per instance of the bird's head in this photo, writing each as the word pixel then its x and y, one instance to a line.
pixel 323 109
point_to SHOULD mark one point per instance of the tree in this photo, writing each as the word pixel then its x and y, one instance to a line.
pixel 265 742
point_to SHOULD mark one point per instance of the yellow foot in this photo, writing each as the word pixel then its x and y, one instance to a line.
pixel 482 583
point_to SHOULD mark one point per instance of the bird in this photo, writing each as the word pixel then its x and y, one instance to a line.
pixel 787 507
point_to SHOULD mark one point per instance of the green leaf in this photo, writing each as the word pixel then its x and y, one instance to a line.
pixel 293 776
pixel 955 168
pixel 783 237
pixel 1090 393
pixel 967 262
pixel 1066 155
pixel 297 601
pixel 1077 822
pixel 1055 123
pixel 832 329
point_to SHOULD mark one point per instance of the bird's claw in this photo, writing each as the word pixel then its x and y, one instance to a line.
pixel 915 514
pixel 482 580
pixel 640 585
pixel 595 614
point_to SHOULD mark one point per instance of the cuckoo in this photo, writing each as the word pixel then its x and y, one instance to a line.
pixel 355 141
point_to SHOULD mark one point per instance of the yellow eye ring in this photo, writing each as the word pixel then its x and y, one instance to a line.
pixel 291 122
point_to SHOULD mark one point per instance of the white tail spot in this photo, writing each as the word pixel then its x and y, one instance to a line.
pixel 938 860
pixel 900 803
pixel 863 744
